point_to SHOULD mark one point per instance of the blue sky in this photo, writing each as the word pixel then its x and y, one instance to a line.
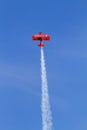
pixel 66 62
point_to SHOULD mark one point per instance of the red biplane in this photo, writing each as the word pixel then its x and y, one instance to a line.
pixel 41 37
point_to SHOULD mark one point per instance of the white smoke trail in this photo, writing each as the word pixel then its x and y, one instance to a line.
pixel 45 105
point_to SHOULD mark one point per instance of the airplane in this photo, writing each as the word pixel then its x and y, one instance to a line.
pixel 41 37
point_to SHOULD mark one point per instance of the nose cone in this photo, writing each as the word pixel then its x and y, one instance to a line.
pixel 40 33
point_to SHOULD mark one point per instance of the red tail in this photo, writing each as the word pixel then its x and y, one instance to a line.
pixel 41 44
